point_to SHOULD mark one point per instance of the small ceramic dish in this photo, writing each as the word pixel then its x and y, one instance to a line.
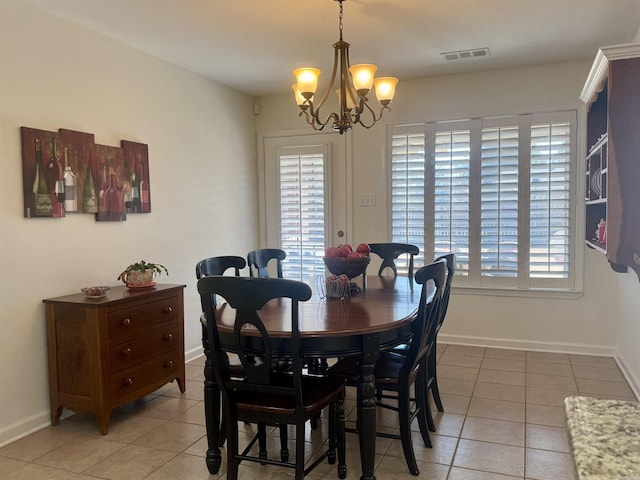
pixel 95 292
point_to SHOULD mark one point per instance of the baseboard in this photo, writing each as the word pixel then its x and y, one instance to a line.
pixel 24 427
pixel 193 354
pixel 555 347
pixel 628 374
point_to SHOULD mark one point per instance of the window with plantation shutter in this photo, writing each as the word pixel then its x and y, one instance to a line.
pixel 496 191
pixel 407 192
pixel 302 213
pixel 499 202
pixel 550 200
pixel 451 196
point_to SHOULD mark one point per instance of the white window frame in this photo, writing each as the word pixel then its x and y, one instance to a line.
pixel 524 284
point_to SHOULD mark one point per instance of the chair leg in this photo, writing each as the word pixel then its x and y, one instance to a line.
pixel 215 433
pixel 333 426
pixel 427 413
pixel 314 422
pixel 222 435
pixel 436 394
pixel 232 447
pixel 341 439
pixel 404 415
pixel 300 451
pixel 262 442
pixel 433 378
pixel 425 420
pixel 284 446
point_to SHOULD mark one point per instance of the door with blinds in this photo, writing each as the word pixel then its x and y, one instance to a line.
pixel 306 199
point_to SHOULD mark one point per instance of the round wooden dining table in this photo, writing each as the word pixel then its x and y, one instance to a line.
pixel 376 318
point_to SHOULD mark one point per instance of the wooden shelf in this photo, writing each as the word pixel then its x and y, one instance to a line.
pixel 596 245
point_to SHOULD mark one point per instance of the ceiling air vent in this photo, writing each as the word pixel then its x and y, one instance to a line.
pixel 460 54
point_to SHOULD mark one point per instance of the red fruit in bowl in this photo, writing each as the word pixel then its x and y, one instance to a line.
pixel 363 248
pixel 332 252
pixel 344 251
pixel 355 255
pixel 346 245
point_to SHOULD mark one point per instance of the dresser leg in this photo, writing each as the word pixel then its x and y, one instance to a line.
pixel 103 421
pixel 56 412
pixel 181 384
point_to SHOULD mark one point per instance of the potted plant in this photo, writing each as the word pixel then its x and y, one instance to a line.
pixel 140 274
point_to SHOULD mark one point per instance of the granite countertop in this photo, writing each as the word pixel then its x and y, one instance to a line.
pixel 604 437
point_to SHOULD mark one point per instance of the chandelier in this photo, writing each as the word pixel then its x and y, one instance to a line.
pixel 355 83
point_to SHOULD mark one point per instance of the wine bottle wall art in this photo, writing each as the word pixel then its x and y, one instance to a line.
pixel 66 172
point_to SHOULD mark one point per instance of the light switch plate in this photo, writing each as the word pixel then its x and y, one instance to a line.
pixel 368 200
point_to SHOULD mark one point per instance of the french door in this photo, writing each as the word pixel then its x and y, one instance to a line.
pixel 307 204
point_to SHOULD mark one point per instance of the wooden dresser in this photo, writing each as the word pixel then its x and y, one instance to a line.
pixel 109 351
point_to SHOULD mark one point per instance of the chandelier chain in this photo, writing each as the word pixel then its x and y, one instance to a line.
pixel 340 16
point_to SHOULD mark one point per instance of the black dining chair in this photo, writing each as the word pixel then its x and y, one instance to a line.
pixel 258 261
pixel 431 371
pixel 219 265
pixel 265 396
pixel 432 378
pixel 389 252
pixel 215 427
pixel 397 373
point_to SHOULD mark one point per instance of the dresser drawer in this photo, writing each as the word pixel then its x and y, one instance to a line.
pixel 127 384
pixel 139 349
pixel 133 321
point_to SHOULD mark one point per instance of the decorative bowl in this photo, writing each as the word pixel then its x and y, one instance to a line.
pixel 95 292
pixel 335 286
pixel 351 267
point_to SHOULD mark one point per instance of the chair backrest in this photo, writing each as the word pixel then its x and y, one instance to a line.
pixel 451 270
pixel 259 259
pixel 219 265
pixel 388 252
pixel 423 327
pixel 247 296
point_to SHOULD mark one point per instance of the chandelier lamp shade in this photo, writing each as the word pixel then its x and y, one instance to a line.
pixel 354 85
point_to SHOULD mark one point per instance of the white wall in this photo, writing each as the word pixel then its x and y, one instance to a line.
pixel 627 298
pixel 592 323
pixel 628 314
pixel 202 152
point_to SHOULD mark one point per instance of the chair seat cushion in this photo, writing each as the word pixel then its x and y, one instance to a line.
pixel 317 392
pixel 386 371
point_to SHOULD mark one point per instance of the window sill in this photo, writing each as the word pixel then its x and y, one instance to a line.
pixel 515 292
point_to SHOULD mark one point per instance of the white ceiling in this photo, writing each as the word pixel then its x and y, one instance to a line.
pixel 253 45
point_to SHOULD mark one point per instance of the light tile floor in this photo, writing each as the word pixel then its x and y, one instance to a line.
pixel 503 420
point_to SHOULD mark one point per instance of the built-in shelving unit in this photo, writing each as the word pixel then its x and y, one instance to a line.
pixel 612 170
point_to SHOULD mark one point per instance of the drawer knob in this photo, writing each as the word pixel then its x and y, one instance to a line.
pixel 168 309
pixel 127 382
pixel 126 322
pixel 169 364
pixel 126 352
pixel 168 336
